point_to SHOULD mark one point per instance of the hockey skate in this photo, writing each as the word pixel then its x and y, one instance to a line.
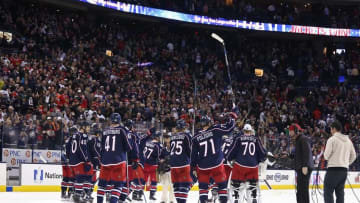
pixel 76 198
pixel 152 198
pixel 214 196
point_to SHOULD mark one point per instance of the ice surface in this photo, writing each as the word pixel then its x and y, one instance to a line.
pixel 271 196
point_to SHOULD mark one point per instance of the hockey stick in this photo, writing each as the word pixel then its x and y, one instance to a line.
pixel 194 105
pixel 141 191
pixel 221 40
pixel 267 184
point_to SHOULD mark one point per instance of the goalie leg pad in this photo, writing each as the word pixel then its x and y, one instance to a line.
pixel 252 192
pixel 238 188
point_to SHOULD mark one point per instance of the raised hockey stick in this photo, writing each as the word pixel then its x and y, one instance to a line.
pixel 221 40
pixel 194 105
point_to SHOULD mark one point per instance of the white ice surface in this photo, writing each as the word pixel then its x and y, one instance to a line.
pixel 268 196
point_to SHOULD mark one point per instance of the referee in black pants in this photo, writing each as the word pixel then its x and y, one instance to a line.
pixel 304 163
pixel 340 153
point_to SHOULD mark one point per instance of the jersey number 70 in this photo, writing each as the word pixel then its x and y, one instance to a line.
pixel 249 147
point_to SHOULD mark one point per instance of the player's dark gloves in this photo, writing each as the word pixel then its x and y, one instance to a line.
pixel 135 165
pixel 87 167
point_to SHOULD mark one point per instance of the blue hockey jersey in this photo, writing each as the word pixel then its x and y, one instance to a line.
pixel 114 146
pixel 227 141
pixel 153 152
pixel 143 138
pixel 206 146
pixel 134 141
pixel 64 158
pixel 76 149
pixel 180 151
pixel 94 147
pixel 247 151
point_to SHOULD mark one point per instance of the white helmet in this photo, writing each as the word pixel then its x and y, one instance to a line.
pixel 247 127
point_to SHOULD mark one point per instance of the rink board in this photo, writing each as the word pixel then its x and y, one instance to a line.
pixel 47 178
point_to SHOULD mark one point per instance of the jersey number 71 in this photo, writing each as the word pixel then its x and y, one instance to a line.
pixel 205 144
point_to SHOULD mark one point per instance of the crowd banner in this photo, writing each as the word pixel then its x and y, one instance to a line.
pixel 15 157
pixel 232 23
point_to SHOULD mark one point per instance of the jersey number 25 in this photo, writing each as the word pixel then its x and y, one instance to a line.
pixel 176 147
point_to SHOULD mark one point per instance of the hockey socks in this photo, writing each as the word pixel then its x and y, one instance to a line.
pixel 181 191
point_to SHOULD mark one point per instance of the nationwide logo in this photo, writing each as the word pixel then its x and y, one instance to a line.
pixel 278 177
pixel 40 175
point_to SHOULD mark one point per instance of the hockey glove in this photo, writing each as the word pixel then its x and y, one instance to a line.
pixel 87 167
pixel 135 165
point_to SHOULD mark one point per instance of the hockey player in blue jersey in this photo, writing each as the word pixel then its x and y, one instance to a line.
pixel 67 183
pixel 153 153
pixel 180 161
pixel 208 158
pixel 114 146
pixel 134 179
pixel 94 147
pixel 248 152
pixel 77 153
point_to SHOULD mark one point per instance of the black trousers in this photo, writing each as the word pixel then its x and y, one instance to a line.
pixel 334 181
pixel 302 186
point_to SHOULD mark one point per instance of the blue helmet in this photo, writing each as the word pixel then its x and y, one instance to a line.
pixel 115 118
pixel 180 124
pixel 95 128
pixel 151 131
pixel 156 135
pixel 73 130
pixel 129 124
pixel 204 121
